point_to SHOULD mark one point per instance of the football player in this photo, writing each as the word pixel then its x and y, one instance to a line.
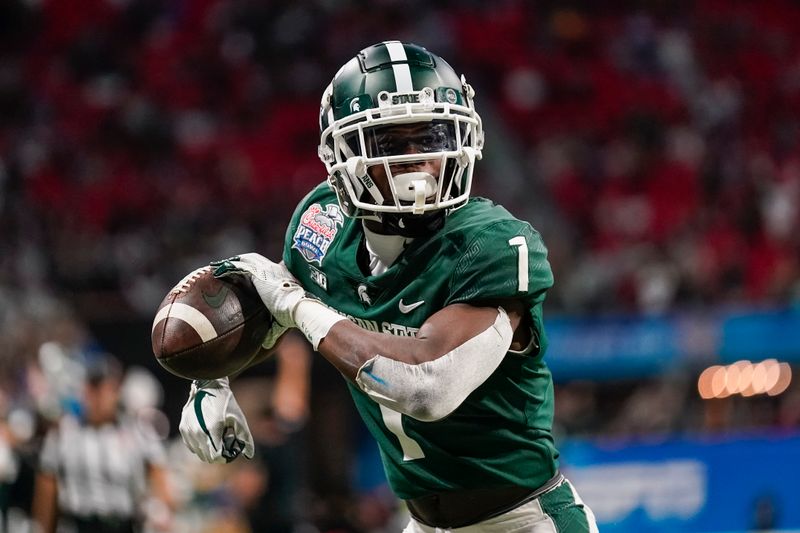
pixel 429 302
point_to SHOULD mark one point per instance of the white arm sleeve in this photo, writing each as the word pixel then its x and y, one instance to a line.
pixel 432 390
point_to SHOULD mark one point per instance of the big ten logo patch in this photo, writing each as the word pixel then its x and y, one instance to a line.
pixel 316 231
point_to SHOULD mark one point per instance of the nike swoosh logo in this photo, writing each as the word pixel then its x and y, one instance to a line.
pixel 215 300
pixel 410 307
pixel 198 411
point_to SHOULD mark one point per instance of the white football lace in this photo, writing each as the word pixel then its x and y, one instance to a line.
pixel 184 284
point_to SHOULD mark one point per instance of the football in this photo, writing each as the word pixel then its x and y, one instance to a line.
pixel 209 328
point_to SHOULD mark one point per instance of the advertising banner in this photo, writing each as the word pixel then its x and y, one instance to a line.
pixel 692 485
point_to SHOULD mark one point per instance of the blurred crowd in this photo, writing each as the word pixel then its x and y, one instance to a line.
pixel 653 144
pixel 655 148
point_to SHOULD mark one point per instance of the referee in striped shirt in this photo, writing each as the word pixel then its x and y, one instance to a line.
pixel 96 471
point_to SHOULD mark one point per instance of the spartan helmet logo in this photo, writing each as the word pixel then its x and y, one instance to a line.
pixel 362 294
pixel 355 105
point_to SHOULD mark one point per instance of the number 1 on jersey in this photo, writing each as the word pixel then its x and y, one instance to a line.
pixel 394 423
pixel 521 245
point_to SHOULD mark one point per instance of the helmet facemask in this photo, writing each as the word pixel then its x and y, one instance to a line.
pixel 406 131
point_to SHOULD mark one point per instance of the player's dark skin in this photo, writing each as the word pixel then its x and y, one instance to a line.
pixel 347 346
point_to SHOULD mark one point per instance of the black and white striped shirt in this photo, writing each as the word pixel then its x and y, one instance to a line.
pixel 101 470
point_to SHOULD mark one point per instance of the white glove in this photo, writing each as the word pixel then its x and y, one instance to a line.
pixel 212 424
pixel 273 335
pixel 276 286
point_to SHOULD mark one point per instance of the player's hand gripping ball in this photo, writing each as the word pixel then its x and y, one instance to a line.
pixel 209 328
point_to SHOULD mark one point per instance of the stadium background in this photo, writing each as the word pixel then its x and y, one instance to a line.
pixel 653 144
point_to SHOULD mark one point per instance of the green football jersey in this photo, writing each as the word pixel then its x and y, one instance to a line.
pixel 501 434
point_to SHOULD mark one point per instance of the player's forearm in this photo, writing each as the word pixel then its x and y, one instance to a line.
pixel 460 346
pixel 407 375
pixel 348 346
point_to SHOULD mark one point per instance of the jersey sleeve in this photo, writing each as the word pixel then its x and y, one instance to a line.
pixel 317 192
pixel 507 260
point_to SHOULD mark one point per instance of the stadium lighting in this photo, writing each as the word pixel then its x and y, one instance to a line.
pixel 744 378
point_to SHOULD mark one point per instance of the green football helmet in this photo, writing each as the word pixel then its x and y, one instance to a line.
pixel 396 104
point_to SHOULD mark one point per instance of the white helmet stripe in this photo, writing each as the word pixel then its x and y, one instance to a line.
pixel 402 74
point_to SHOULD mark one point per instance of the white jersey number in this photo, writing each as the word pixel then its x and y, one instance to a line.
pixel 394 423
pixel 522 262
pixel 394 419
